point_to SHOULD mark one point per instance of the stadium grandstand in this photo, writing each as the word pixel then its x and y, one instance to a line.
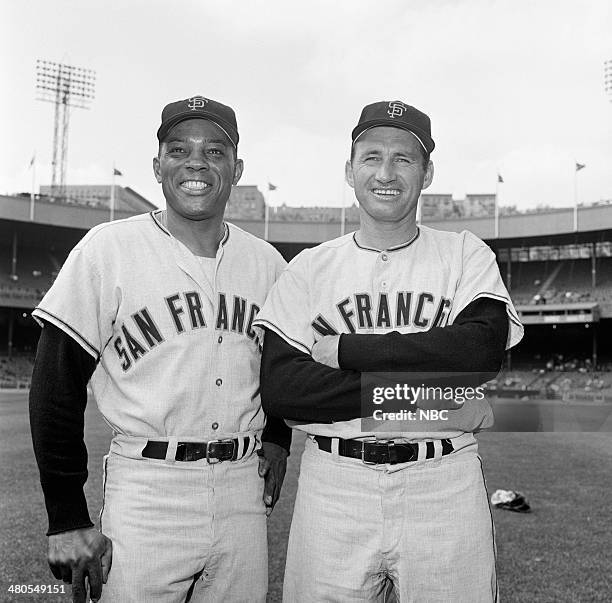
pixel 560 277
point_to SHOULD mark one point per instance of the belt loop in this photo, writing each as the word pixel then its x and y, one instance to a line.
pixel 171 452
pixel 437 449
pixel 421 451
pixel 239 447
pixel 335 444
pixel 253 440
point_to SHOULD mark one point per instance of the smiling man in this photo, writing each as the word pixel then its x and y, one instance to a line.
pixel 385 505
pixel 157 312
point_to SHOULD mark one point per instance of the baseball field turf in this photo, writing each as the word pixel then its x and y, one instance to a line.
pixel 560 552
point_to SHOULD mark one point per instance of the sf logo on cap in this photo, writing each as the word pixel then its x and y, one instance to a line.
pixel 197 102
pixel 396 109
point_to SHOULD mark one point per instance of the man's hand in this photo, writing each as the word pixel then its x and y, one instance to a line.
pixel 272 467
pixel 325 351
pixel 82 553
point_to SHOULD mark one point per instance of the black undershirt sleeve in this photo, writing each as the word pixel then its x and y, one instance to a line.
pixel 295 387
pixel 58 397
pixel 278 432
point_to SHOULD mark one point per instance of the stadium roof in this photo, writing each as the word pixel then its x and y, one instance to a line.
pixel 552 227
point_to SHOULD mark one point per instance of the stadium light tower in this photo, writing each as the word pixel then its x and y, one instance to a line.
pixel 65 86
pixel 608 78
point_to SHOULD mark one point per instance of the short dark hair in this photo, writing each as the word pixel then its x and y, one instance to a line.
pixel 424 154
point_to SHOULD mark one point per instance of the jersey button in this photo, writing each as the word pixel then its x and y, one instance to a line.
pixel 384 257
pixel 219 382
pixel 384 284
pixel 220 339
pixel 215 425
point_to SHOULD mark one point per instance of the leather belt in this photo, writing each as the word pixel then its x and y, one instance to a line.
pixel 382 451
pixel 214 451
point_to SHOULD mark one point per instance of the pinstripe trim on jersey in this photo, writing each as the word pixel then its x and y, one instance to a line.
pixel 261 322
pixel 511 315
pixel 484 483
pixel 498 297
pixel 396 248
pixel 226 234
pixel 60 324
pixel 158 223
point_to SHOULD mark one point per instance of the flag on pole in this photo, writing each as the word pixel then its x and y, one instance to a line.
pixel 580 166
pixel 500 179
pixel 116 172
pixel 33 190
pixel 271 187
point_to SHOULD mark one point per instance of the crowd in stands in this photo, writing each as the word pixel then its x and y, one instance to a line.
pixel 9 293
pixel 16 372
pixel 33 274
pixel 560 282
pixel 558 377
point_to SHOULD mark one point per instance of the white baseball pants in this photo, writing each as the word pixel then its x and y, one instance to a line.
pixel 425 527
pixel 183 531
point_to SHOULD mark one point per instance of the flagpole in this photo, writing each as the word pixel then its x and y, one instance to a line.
pixel 497 208
pixel 112 196
pixel 266 218
pixel 576 199
pixel 33 192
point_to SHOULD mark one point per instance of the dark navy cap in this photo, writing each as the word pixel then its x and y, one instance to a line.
pixel 202 108
pixel 396 114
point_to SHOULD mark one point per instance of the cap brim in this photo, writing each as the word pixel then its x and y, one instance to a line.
pixel 426 141
pixel 165 128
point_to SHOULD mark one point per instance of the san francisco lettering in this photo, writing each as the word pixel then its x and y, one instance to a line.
pixel 139 335
pixel 363 311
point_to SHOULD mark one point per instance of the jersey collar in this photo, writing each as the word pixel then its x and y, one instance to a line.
pixel 155 215
pixel 395 248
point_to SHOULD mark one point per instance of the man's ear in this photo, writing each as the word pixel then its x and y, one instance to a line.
pixel 429 174
pixel 348 174
pixel 156 169
pixel 238 170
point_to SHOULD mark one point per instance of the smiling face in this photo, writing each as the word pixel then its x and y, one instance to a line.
pixel 196 167
pixel 388 173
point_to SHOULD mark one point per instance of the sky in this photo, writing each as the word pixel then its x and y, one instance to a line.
pixel 512 87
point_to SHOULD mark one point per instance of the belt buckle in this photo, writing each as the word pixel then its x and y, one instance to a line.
pixel 211 460
pixel 363 445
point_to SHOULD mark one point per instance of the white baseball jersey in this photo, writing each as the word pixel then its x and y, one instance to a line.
pixel 410 288
pixel 178 355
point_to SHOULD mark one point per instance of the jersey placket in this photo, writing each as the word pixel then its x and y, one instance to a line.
pixel 381 279
pixel 216 355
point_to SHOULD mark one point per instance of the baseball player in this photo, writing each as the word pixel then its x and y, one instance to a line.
pixel 157 311
pixel 383 508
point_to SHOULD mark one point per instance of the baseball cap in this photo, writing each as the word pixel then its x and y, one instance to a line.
pixel 396 114
pixel 202 108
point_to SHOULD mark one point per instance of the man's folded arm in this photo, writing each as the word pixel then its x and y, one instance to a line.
pixel 295 387
pixel 474 343
pixel 58 396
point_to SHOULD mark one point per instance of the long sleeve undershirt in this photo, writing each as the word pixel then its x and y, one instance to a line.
pixel 58 397
pixel 294 386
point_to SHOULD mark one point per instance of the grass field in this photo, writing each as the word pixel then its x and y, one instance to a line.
pixel 560 552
